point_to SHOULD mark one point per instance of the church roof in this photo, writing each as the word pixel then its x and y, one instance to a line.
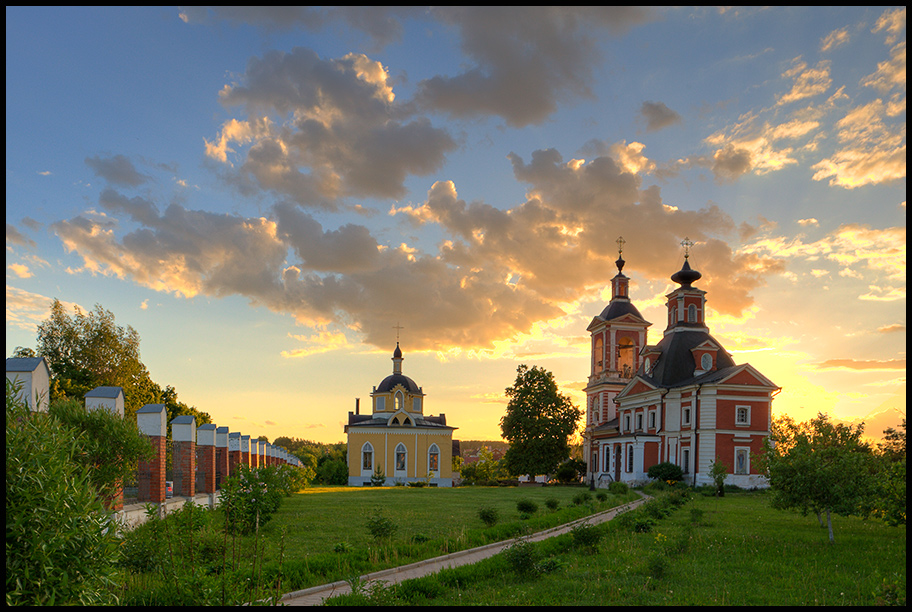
pixel 676 364
pixel 618 308
pixel 390 382
pixel 368 420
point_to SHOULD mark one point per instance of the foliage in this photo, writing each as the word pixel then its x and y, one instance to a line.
pixel 893 445
pixel 818 467
pixel 618 488
pixel 571 471
pixel 718 471
pixel 538 423
pixel 60 545
pixel 526 560
pixel 251 496
pixel 586 536
pixel 666 471
pixel 488 515
pixel 109 445
pixel 486 470
pixel 378 479
pixel 380 526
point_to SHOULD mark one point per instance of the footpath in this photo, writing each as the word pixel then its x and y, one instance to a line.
pixel 315 596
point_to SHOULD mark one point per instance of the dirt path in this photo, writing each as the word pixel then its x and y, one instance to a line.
pixel 315 596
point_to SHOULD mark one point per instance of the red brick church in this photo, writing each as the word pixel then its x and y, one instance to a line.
pixel 682 400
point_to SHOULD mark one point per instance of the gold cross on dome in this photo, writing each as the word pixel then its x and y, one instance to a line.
pixel 620 242
pixel 687 243
pixel 397 327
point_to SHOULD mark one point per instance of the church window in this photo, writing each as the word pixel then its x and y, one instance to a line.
pixel 630 458
pixel 640 422
pixel 627 422
pixel 652 420
pixel 367 457
pixel 706 362
pixel 416 404
pixel 685 460
pixel 648 366
pixel 742 415
pixel 685 417
pixel 433 458
pixel 401 456
pixel 399 400
pixel 599 356
pixel 381 404
pixel 692 313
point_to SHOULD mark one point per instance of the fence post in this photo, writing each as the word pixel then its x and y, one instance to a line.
pixel 183 435
pixel 112 400
pixel 205 458
pixel 234 452
pixel 150 477
pixel 221 456
pixel 245 450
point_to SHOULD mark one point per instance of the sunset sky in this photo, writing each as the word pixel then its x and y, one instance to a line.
pixel 264 194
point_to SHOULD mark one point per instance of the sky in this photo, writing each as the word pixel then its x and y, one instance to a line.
pixel 269 196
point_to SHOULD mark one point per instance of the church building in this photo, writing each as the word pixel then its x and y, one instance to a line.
pixel 398 438
pixel 682 400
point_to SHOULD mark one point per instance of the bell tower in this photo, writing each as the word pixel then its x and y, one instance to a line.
pixel 618 335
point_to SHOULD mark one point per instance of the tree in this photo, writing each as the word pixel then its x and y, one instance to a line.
pixel 818 466
pixel 538 423
pixel 89 350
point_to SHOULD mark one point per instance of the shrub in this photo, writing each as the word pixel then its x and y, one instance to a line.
pixel 522 557
pixel 378 479
pixel 601 496
pixel 488 515
pixel 665 471
pixel 380 526
pixel 618 488
pixel 586 536
pixel 526 506
pixel 581 498
pixel 61 547
pixel 552 503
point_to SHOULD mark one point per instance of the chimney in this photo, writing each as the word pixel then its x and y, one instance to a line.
pixel 357 405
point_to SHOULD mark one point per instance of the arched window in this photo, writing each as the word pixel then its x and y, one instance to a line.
pixel 367 457
pixel 692 314
pixel 433 458
pixel 399 400
pixel 401 457
pixel 599 355
pixel 625 357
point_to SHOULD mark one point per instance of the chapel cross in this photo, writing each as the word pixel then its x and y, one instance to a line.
pixel 687 243
pixel 397 327
pixel 620 242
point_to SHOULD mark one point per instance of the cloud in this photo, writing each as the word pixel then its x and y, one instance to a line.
pixel 524 61
pixel 658 116
pixel 320 130
pixel 834 39
pixel 14 236
pixel 863 364
pixel 26 310
pixel 117 170
pixel 20 270
pixel 889 329
pixel 808 82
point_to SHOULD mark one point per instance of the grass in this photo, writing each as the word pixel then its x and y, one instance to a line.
pixel 734 550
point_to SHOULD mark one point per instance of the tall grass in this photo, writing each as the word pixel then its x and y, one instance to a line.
pixel 734 550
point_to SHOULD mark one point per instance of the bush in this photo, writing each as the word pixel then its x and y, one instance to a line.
pixel 586 536
pixel 61 547
pixel 552 503
pixel 618 488
pixel 380 526
pixel 488 515
pixel 665 471
pixel 250 497
pixel 583 497
pixel 526 506
pixel 378 479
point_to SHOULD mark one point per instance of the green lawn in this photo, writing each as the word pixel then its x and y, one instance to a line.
pixel 739 552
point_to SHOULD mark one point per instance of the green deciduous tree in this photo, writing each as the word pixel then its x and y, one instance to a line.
pixel 538 423
pixel 818 466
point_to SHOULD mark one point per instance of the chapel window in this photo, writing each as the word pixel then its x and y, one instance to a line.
pixel 401 455
pixel 599 357
pixel 367 457
pixel 433 458
pixel 741 461
pixel 692 313
pixel 625 357
pixel 706 362
pixel 742 415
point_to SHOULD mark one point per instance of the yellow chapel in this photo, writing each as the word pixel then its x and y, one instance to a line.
pixel 398 440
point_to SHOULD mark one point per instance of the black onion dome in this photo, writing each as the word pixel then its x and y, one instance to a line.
pixel 685 276
pixel 390 382
pixel 397 354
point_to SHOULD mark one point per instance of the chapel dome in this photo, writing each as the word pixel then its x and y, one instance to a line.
pixel 390 382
